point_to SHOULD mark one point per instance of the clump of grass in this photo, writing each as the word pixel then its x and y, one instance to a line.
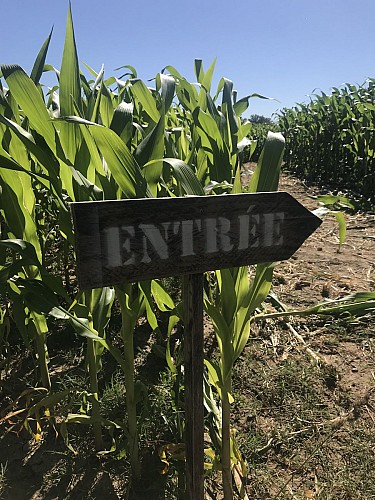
pixel 113 398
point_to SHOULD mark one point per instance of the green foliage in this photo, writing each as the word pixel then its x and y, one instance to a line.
pixel 330 140
pixel 260 120
pixel 260 126
pixel 232 308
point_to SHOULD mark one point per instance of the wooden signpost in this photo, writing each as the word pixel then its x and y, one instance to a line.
pixel 139 239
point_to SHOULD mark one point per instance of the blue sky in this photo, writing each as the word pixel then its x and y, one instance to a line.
pixel 283 49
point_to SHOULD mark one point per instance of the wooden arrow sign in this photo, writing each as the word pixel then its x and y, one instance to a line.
pixel 139 239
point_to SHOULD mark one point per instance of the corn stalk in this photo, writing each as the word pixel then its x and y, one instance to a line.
pixel 231 310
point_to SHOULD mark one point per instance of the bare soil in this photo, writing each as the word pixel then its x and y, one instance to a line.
pixel 321 270
pixel 304 391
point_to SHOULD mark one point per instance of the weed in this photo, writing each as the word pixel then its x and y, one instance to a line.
pixel 113 398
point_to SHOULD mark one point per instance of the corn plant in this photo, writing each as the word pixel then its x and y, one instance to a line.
pixel 231 309
pixel 258 135
pixel 330 140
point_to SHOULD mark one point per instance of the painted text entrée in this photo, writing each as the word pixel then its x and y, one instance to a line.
pixel 139 239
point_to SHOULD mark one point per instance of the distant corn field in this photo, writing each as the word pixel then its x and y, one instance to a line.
pixel 331 140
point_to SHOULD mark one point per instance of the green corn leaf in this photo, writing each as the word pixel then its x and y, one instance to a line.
pixel 30 101
pixel 145 287
pixel 70 92
pixel 241 105
pixel 49 67
pixel 185 176
pixel 70 84
pixel 162 298
pixel 7 272
pixel 84 189
pixel 353 305
pixel 28 257
pixel 266 175
pixel 340 217
pixel 242 328
pixel 213 186
pixel 244 130
pixel 237 184
pixel 7 162
pixel 207 79
pixel 19 219
pixel 46 159
pixel 19 313
pixel 143 96
pixel 121 163
pixel 222 329
pixel 81 326
pixel 38 67
pixel 99 78
pixel 43 155
pixel 242 287
pixel 168 85
pixel 210 107
pixel 23 248
pixel 168 357
pixel 133 71
pixel 91 70
pixel 101 305
pixel 214 375
pixel 93 153
pixel 228 294
pixel 94 98
pixel 261 285
pixel 37 295
pixel 149 151
pixel 209 126
pixel 122 122
pixel 331 200
pixel 198 68
pixel 228 111
pixel 106 105
pixel 19 154
pixel 186 92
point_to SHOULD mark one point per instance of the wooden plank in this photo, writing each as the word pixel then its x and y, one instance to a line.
pixel 194 408
pixel 139 239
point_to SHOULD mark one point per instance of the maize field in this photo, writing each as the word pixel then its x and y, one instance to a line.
pixel 99 137
pixel 331 140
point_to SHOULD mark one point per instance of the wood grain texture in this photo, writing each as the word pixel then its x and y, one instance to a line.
pixel 139 239
pixel 194 408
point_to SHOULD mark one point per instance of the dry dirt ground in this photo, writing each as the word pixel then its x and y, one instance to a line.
pixel 304 391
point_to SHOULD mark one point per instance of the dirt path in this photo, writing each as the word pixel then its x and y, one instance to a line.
pixel 320 270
